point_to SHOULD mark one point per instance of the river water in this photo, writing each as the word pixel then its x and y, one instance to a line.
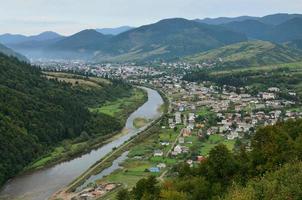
pixel 40 185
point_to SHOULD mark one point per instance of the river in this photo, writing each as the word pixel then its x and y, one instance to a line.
pixel 41 184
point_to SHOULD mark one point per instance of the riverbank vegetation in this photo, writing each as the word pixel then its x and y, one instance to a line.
pixel 140 122
pixel 37 113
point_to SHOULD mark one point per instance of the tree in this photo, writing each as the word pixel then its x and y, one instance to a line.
pixel 221 166
pixel 123 195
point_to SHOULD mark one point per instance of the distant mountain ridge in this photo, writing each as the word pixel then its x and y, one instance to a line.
pixel 114 31
pixel 168 39
pixel 9 39
pixel 273 19
pixel 284 32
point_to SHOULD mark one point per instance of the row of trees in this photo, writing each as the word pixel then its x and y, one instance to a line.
pixel 36 113
pixel 272 169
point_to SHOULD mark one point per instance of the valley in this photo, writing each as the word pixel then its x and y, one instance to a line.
pixel 165 109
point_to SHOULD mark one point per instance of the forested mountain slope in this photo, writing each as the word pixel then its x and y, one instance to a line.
pixel 37 113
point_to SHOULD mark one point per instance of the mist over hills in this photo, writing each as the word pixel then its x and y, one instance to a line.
pixel 9 52
pixel 168 39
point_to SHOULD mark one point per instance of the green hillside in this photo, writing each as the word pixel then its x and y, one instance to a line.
pixel 36 113
pixel 253 53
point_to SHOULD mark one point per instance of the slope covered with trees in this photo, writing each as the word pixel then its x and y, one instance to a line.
pixel 37 113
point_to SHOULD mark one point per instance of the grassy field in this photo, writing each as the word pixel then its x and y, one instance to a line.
pixel 115 108
pixel 77 80
pixel 213 141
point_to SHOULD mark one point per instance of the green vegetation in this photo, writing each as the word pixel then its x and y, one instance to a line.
pixel 140 122
pixel 270 170
pixel 286 76
pixel 36 114
pixel 246 54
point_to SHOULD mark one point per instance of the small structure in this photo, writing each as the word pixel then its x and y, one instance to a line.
pixel 158 153
pixel 154 169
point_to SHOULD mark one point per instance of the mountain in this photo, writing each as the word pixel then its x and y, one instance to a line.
pixel 167 39
pixel 287 31
pixel 12 38
pixel 224 20
pixel 9 52
pixel 279 18
pixel 85 40
pixel 82 45
pixel 251 28
pixel 9 39
pixel 274 19
pixel 48 35
pixel 114 31
pixel 255 29
pixel 253 53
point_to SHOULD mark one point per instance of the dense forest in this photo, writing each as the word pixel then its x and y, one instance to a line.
pixel 36 113
pixel 270 168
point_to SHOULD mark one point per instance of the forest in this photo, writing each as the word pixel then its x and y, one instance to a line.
pixel 37 113
pixel 269 168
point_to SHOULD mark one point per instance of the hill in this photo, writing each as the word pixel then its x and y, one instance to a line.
pixel 253 53
pixel 278 18
pixel 274 19
pixel 257 29
pixel 114 31
pixel 224 20
pixel 254 29
pixel 287 31
pixel 37 113
pixel 167 39
pixel 9 52
pixel 9 39
pixel 80 45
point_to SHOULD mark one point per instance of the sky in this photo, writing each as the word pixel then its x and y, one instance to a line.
pixel 66 17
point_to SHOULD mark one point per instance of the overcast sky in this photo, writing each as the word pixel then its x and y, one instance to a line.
pixel 69 16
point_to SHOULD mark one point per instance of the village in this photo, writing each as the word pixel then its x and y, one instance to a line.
pixel 200 116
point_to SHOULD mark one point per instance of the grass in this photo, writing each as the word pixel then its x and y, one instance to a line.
pixel 115 108
pixel 77 80
pixel 213 141
pixel 140 122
